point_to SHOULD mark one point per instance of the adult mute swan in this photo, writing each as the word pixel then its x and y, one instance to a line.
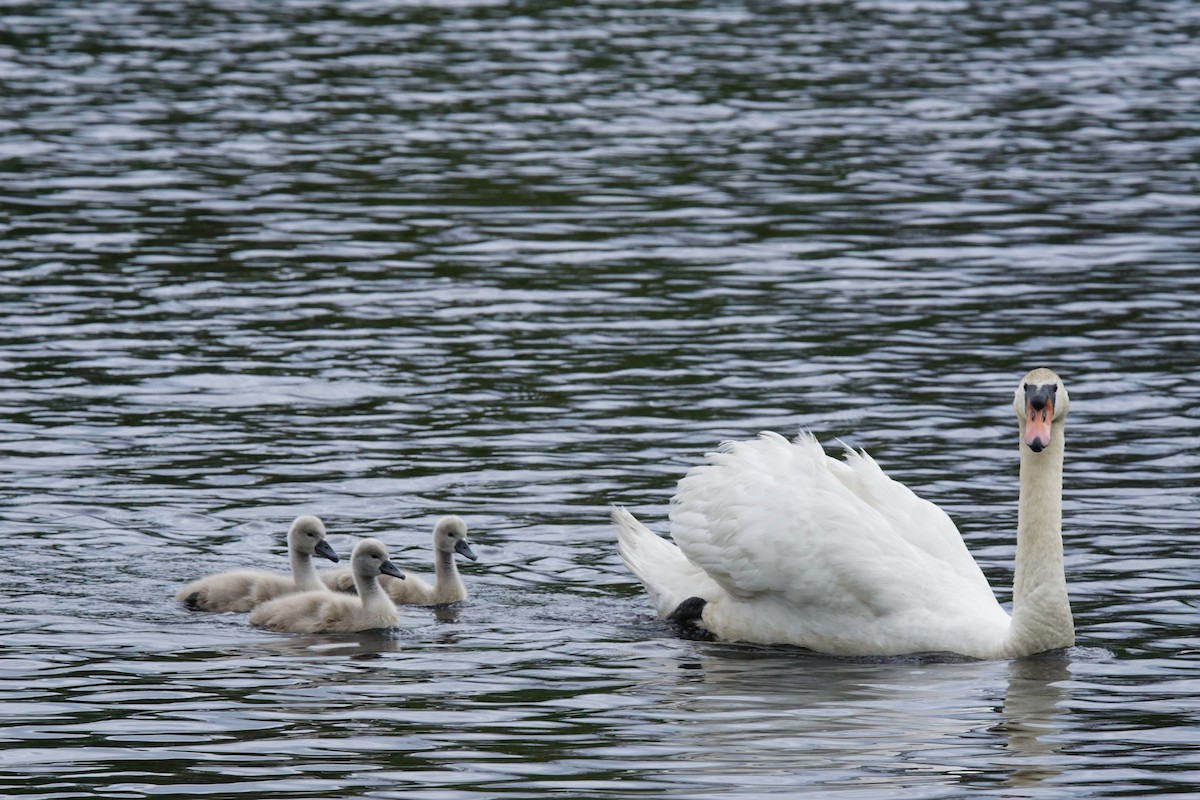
pixel 323 611
pixel 780 544
pixel 449 537
pixel 242 590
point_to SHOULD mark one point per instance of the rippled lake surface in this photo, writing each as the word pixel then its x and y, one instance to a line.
pixel 382 262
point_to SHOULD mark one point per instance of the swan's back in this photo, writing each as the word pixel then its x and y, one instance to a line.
pixel 338 580
pixel 782 527
pixel 322 611
pixel 236 591
pixel 920 522
pixel 413 590
pixel 416 591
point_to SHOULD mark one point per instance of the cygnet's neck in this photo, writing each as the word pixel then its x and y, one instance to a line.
pixel 447 583
pixel 369 590
pixel 1041 609
pixel 304 572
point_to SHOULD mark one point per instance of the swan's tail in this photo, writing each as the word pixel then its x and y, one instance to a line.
pixel 662 567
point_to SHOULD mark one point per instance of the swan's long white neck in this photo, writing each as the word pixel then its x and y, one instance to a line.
pixel 1041 617
pixel 304 572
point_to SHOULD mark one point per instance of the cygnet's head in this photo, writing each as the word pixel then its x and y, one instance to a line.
pixel 450 536
pixel 370 559
pixel 307 536
pixel 1040 402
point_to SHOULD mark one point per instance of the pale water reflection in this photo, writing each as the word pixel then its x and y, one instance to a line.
pixel 1036 689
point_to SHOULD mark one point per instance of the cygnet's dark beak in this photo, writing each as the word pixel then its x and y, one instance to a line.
pixel 325 551
pixel 388 568
pixel 462 548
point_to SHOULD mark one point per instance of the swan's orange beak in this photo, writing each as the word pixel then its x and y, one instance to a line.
pixel 1037 424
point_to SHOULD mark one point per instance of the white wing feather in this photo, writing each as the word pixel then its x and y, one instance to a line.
pixel 668 576
pixel 922 523
pixel 784 525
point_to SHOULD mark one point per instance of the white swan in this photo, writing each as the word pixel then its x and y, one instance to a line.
pixel 323 611
pixel 242 590
pixel 449 537
pixel 780 544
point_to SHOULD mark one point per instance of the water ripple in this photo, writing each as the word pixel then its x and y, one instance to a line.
pixel 386 262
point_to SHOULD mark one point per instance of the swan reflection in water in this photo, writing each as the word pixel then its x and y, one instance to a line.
pixel 359 645
pixel 1036 689
pixel 847 722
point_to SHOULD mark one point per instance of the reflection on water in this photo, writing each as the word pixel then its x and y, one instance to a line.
pixel 336 646
pixel 833 722
pixel 386 262
pixel 1031 707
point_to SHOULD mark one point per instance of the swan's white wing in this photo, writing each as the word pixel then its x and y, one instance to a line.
pixel 668 576
pixel 922 523
pixel 769 518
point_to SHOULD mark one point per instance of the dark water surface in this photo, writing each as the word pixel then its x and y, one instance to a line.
pixel 517 261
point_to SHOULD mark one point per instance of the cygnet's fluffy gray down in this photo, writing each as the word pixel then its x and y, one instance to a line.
pixel 323 611
pixel 449 537
pixel 242 590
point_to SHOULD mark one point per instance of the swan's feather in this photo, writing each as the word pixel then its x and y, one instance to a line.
pixel 322 611
pixel 662 568
pixel 237 591
pixel 416 591
pixel 412 591
pixel 339 580
pixel 922 523
pixel 835 556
